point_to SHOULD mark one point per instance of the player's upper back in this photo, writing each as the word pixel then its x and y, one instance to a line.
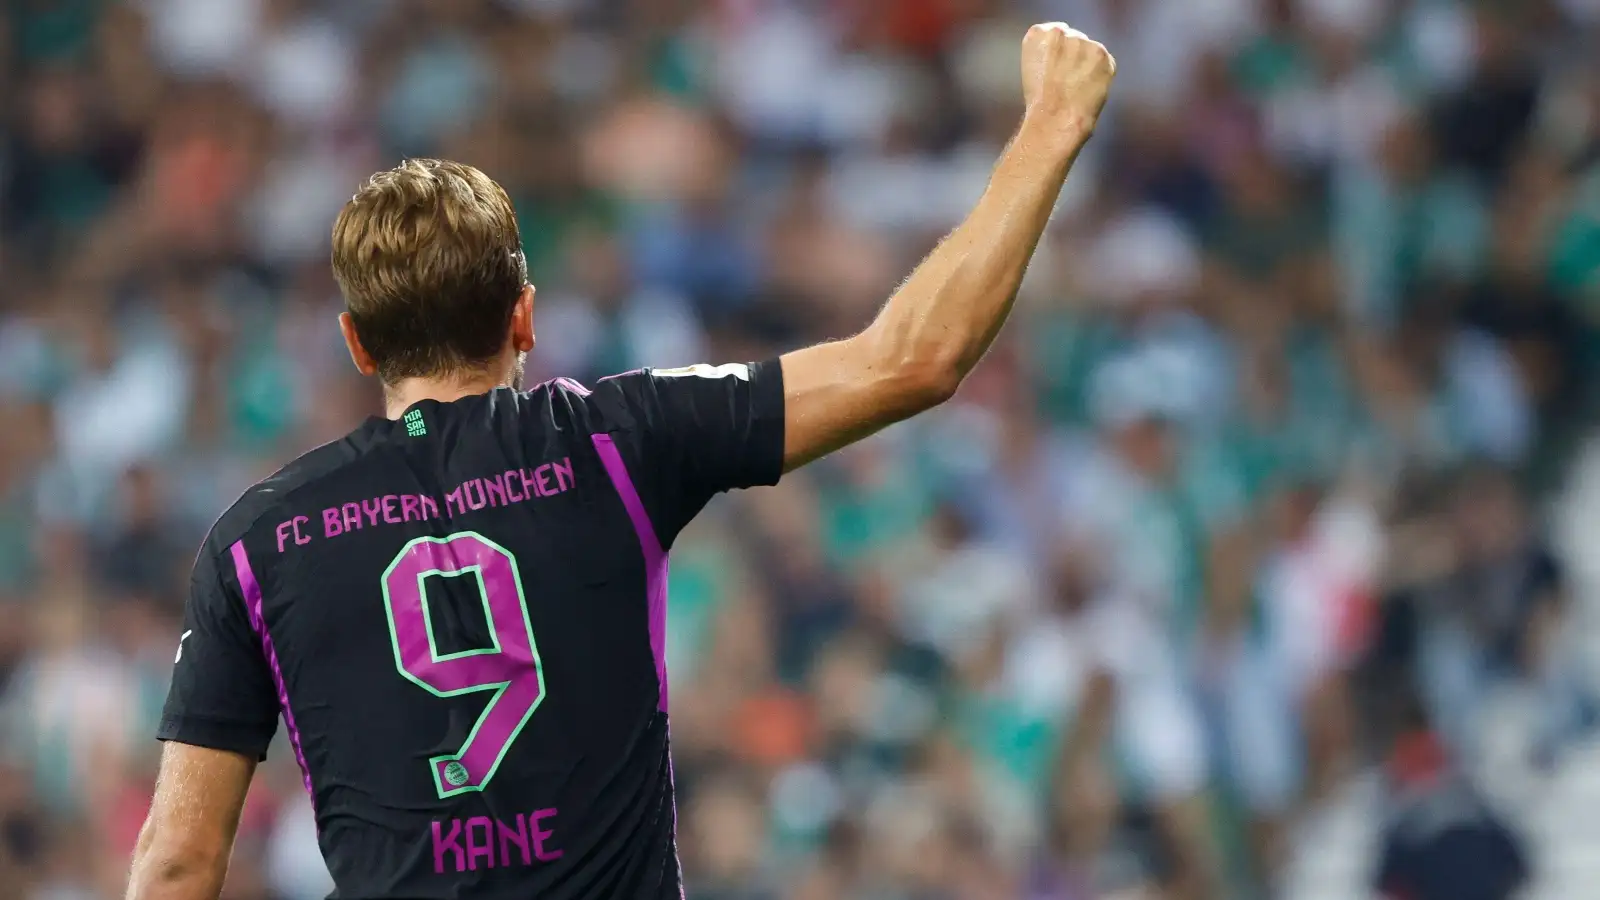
pixel 461 615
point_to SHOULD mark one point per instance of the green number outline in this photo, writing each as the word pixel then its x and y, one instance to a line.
pixel 427 613
pixel 447 791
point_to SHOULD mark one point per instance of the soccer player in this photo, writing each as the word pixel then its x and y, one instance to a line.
pixel 458 609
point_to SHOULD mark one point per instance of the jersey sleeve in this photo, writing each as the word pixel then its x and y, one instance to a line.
pixel 688 434
pixel 222 695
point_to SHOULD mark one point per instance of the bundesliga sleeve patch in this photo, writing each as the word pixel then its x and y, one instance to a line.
pixel 702 370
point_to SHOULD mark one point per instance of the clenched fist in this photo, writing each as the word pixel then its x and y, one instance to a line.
pixel 1065 77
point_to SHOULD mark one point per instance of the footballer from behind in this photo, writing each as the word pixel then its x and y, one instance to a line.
pixel 458 610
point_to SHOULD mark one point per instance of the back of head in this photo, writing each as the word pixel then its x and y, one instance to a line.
pixel 429 258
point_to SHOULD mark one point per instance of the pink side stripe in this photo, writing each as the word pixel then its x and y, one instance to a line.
pixel 258 623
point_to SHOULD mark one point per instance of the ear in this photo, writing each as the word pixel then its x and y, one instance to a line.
pixel 522 321
pixel 358 353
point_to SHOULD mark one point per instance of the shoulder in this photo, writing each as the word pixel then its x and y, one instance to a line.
pixel 262 497
pixel 554 410
pixel 606 406
pixel 557 392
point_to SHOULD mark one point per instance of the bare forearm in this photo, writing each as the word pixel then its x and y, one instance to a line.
pixel 184 846
pixel 945 316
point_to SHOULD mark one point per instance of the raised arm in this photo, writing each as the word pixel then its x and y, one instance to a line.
pixel 933 331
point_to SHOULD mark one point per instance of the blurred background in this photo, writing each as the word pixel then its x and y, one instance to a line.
pixel 1251 564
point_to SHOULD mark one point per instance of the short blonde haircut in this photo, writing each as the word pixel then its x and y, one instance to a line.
pixel 429 258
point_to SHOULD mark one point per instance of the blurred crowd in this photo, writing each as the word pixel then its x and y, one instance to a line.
pixel 1247 498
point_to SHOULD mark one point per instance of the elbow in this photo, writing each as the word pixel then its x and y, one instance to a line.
pixel 162 870
pixel 158 875
pixel 925 376
pixel 912 375
pixel 929 383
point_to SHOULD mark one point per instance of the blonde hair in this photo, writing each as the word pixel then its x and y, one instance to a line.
pixel 429 259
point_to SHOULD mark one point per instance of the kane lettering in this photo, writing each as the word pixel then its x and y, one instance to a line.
pixel 463 845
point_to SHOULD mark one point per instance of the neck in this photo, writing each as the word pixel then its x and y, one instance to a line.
pixel 400 396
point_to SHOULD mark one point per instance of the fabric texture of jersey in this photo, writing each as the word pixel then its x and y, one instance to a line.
pixel 460 617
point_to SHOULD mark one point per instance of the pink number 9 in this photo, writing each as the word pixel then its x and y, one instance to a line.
pixel 510 668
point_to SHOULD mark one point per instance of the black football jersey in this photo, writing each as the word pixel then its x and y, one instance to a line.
pixel 460 616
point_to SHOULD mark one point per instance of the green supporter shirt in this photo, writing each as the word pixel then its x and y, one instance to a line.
pixel 1575 248
pixel 59 30
pixel 1389 238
